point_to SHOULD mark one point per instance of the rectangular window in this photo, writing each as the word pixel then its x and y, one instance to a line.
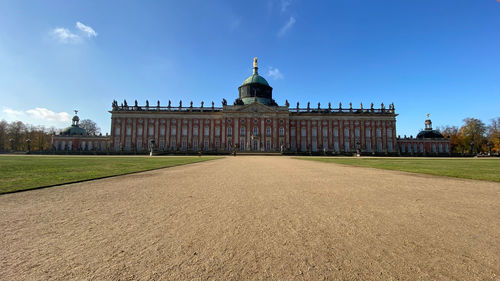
pixel 282 131
pixel 268 131
pixel 242 131
pixel 229 131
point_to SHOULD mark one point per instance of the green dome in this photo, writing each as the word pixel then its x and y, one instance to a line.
pixel 73 130
pixel 255 78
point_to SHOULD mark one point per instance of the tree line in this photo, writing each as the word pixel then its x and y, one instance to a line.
pixel 17 136
pixel 474 136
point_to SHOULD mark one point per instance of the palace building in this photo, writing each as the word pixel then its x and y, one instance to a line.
pixel 254 123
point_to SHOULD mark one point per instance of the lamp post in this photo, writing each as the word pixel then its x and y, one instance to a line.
pixel 490 144
pixel 472 147
pixel 12 144
pixel 151 146
pixel 358 148
pixel 28 142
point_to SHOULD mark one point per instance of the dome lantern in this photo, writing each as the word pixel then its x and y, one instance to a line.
pixel 255 88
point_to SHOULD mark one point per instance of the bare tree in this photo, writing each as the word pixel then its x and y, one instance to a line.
pixel 90 126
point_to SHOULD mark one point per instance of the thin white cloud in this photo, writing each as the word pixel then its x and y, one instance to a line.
pixel 13 113
pixel 287 26
pixel 49 115
pixel 64 35
pixel 284 5
pixel 87 30
pixel 37 116
pixel 275 73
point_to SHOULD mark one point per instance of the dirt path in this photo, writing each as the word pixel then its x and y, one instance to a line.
pixel 255 218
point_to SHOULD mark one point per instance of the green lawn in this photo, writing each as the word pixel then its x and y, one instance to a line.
pixel 31 171
pixel 468 168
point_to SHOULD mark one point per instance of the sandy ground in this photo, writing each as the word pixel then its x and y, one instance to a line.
pixel 254 218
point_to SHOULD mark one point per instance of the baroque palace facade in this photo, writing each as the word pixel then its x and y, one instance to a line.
pixel 256 123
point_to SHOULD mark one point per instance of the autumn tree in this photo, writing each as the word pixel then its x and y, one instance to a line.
pixel 473 132
pixel 456 141
pixel 494 135
pixel 3 135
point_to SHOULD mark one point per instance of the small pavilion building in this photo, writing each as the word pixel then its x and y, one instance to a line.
pixel 428 142
pixel 76 139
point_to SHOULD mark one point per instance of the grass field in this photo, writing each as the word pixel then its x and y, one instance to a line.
pixel 28 172
pixel 478 169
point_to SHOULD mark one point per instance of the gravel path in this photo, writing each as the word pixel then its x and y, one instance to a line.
pixel 254 218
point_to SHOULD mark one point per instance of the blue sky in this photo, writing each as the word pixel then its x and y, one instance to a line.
pixel 438 57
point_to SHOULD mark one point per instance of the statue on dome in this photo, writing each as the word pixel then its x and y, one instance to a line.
pixel 255 62
pixel 224 102
pixel 125 103
pixel 287 104
pixel 202 103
